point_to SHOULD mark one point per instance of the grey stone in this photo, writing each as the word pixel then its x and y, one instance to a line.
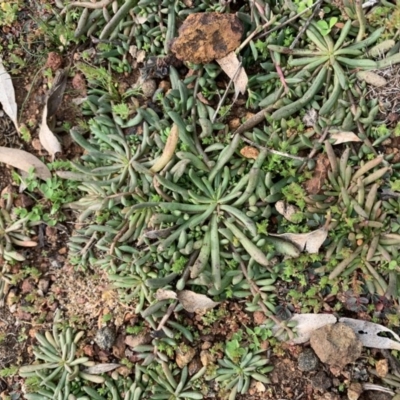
pixel 307 361
pixel 105 338
pixel 321 381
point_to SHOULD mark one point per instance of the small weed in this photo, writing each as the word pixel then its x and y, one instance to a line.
pixel 8 372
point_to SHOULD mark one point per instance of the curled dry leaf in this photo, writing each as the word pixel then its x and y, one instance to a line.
pixel 372 78
pixel 310 242
pixel 287 210
pixel 169 150
pixel 344 137
pixel 47 138
pixel 7 95
pixel 163 294
pixel 54 99
pixel 24 161
pixel 193 302
pixel 56 93
pixel 231 66
pixel 249 152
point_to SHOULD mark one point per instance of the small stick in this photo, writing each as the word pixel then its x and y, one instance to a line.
pixel 254 33
pixel 314 150
pixel 254 120
pixel 226 93
pixel 287 22
pixel 255 290
pixel 185 276
pixel 279 72
pixel 306 25
pixel 279 153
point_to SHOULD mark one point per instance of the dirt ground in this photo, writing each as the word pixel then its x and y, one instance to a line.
pixel 45 281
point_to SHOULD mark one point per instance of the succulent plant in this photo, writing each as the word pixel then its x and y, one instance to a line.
pixel 168 387
pixel 235 372
pixel 60 366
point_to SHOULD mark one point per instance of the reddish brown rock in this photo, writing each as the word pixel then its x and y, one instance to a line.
pixel 336 345
pixel 205 37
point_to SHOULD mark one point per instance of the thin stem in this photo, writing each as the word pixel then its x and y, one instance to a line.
pixel 226 92
pixel 256 290
pixel 254 33
pixel 278 153
pixel 287 22
pixel 306 25
pixel 314 150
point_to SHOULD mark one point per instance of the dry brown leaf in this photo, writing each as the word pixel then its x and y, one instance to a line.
pixel 24 161
pixel 169 150
pixel 287 210
pixel 101 368
pixel 372 78
pixel 344 137
pixel 56 93
pixel 47 138
pixel 231 66
pixel 7 95
pixel 163 294
pixel 310 242
pixel 25 243
pixel 75 176
pixel 249 152
pixel 194 302
pixel 314 184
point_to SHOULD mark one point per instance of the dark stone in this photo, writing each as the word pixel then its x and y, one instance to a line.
pixel 307 361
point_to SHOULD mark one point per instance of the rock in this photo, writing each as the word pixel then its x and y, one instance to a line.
pixel 336 344
pixel 27 286
pixel 354 391
pixel 149 87
pixel 54 61
pixel 105 338
pixel 307 361
pixel 206 358
pixel 382 368
pixel 204 37
pixel 206 345
pixel 194 366
pixel 183 355
pixel 43 286
pixel 321 381
pixel 137 340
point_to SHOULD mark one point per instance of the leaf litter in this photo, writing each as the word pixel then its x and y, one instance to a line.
pixel 367 332
pixel 7 95
pixel 53 101
pixel 310 242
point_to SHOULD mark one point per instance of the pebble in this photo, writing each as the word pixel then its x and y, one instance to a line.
pixel 105 338
pixel 307 361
